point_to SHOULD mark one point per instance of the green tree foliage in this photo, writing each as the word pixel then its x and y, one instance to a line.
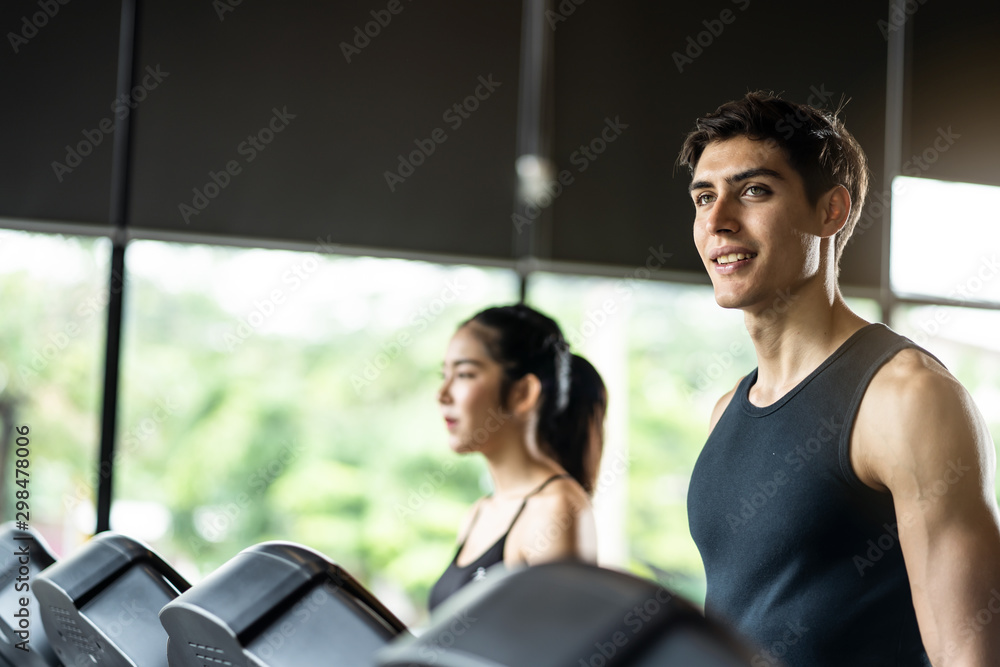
pixel 317 422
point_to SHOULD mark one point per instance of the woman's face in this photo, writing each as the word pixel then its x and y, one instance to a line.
pixel 469 397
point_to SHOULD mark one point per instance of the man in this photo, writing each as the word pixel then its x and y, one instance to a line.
pixel 844 502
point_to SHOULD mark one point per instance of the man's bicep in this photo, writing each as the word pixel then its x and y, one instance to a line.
pixel 939 466
pixel 952 566
pixel 938 457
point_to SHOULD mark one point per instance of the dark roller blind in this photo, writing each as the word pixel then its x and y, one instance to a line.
pixel 282 120
pixel 954 132
pixel 57 72
pixel 631 78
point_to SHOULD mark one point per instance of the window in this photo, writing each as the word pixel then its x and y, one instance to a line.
pixel 945 238
pixel 292 395
pixel 55 291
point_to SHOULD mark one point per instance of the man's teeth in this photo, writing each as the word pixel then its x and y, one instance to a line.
pixel 733 257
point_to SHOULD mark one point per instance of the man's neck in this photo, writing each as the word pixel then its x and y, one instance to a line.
pixel 792 343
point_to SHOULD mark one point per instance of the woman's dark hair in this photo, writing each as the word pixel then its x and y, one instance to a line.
pixel 588 401
pixel 523 340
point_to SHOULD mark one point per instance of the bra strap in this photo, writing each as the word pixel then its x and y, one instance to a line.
pixel 468 531
pixel 536 490
pixel 524 502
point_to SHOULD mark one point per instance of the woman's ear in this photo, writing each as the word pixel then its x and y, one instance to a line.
pixel 525 394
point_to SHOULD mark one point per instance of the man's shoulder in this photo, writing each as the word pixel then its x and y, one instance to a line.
pixel 722 404
pixel 915 415
pixel 912 377
pixel 908 390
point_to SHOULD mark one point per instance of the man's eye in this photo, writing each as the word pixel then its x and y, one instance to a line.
pixel 703 198
pixel 756 191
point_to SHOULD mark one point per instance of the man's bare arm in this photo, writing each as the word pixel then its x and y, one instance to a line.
pixel 920 436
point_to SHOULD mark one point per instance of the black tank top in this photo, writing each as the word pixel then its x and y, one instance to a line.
pixel 456 576
pixel 801 557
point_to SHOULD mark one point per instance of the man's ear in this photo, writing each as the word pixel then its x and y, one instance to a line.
pixel 835 209
pixel 525 394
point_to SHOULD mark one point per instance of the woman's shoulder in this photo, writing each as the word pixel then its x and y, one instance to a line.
pixel 562 493
pixel 562 503
pixel 557 522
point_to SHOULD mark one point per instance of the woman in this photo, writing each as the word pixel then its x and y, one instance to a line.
pixel 507 395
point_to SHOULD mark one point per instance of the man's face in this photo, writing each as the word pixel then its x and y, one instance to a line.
pixel 754 227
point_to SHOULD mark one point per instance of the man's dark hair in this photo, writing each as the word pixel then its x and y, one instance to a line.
pixel 815 142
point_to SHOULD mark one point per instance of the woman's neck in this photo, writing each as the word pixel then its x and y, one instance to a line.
pixel 516 469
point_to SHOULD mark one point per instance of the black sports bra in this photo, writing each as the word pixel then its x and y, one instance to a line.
pixel 456 576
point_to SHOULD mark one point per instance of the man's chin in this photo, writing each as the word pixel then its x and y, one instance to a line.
pixel 728 301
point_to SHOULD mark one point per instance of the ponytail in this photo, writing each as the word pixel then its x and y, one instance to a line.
pixel 571 440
